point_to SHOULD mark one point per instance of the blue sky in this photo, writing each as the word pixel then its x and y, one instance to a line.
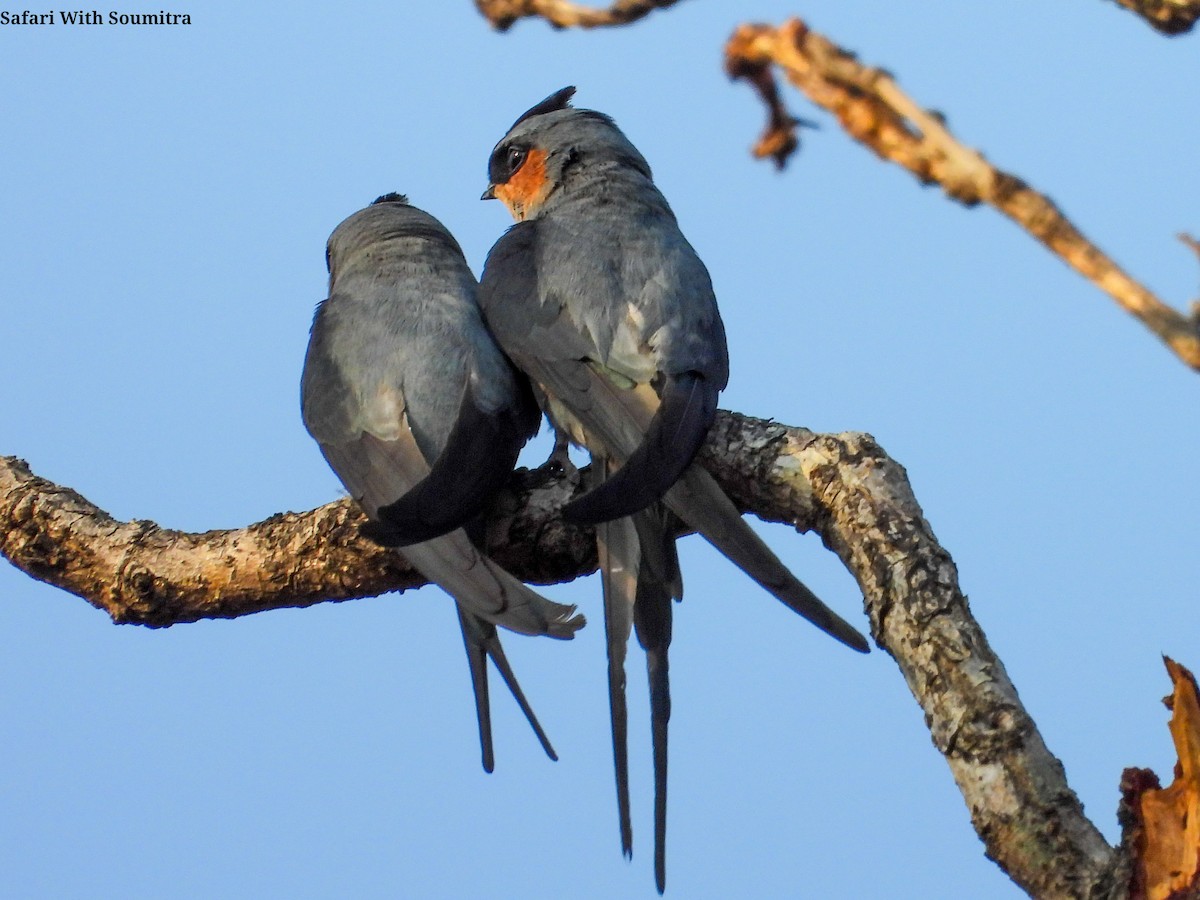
pixel 166 194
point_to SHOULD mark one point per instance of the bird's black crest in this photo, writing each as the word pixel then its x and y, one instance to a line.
pixel 560 99
pixel 393 197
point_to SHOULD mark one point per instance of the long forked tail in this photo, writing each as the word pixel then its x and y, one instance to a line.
pixel 481 642
pixel 641 577
pixel 619 555
pixel 658 582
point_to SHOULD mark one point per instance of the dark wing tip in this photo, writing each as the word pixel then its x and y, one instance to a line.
pixel 615 498
pixel 803 601
pixel 560 99
pixel 854 640
pixel 392 197
pixel 835 626
pixel 675 434
pixel 476 461
pixel 403 526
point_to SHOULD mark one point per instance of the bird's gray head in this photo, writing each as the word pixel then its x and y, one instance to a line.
pixel 389 220
pixel 545 144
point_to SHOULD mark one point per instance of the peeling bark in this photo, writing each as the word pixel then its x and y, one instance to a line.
pixel 1161 826
pixel 842 486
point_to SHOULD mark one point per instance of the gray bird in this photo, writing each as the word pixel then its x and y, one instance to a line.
pixel 598 297
pixel 421 416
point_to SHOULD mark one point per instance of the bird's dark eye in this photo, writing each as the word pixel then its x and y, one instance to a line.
pixel 505 162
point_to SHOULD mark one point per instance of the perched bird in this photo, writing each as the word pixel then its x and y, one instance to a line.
pixel 422 417
pixel 597 296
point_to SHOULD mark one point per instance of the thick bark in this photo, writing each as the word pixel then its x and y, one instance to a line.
pixel 844 487
pixel 863 507
pixel 877 114
pixel 141 573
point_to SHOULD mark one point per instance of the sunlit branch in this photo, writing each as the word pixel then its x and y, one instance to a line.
pixel 842 486
pixel 877 114
pixel 564 14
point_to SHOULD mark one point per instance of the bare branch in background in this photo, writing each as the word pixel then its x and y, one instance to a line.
pixel 564 14
pixel 877 114
pixel 843 486
pixel 1168 16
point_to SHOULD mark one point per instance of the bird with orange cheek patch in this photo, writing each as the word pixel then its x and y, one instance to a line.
pixel 526 189
pixel 598 297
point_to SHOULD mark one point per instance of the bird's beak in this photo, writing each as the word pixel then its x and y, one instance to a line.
pixel 490 193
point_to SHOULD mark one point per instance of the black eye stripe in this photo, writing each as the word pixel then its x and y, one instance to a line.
pixel 505 162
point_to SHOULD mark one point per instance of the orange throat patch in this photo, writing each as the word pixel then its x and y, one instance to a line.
pixel 526 190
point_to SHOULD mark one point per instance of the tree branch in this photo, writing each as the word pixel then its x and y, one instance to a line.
pixel 1021 806
pixel 1167 16
pixel 565 14
pixel 1160 827
pixel 877 114
pixel 1171 17
pixel 140 573
pixel 842 486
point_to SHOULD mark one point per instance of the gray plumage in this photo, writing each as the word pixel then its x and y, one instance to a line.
pixel 598 297
pixel 422 417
